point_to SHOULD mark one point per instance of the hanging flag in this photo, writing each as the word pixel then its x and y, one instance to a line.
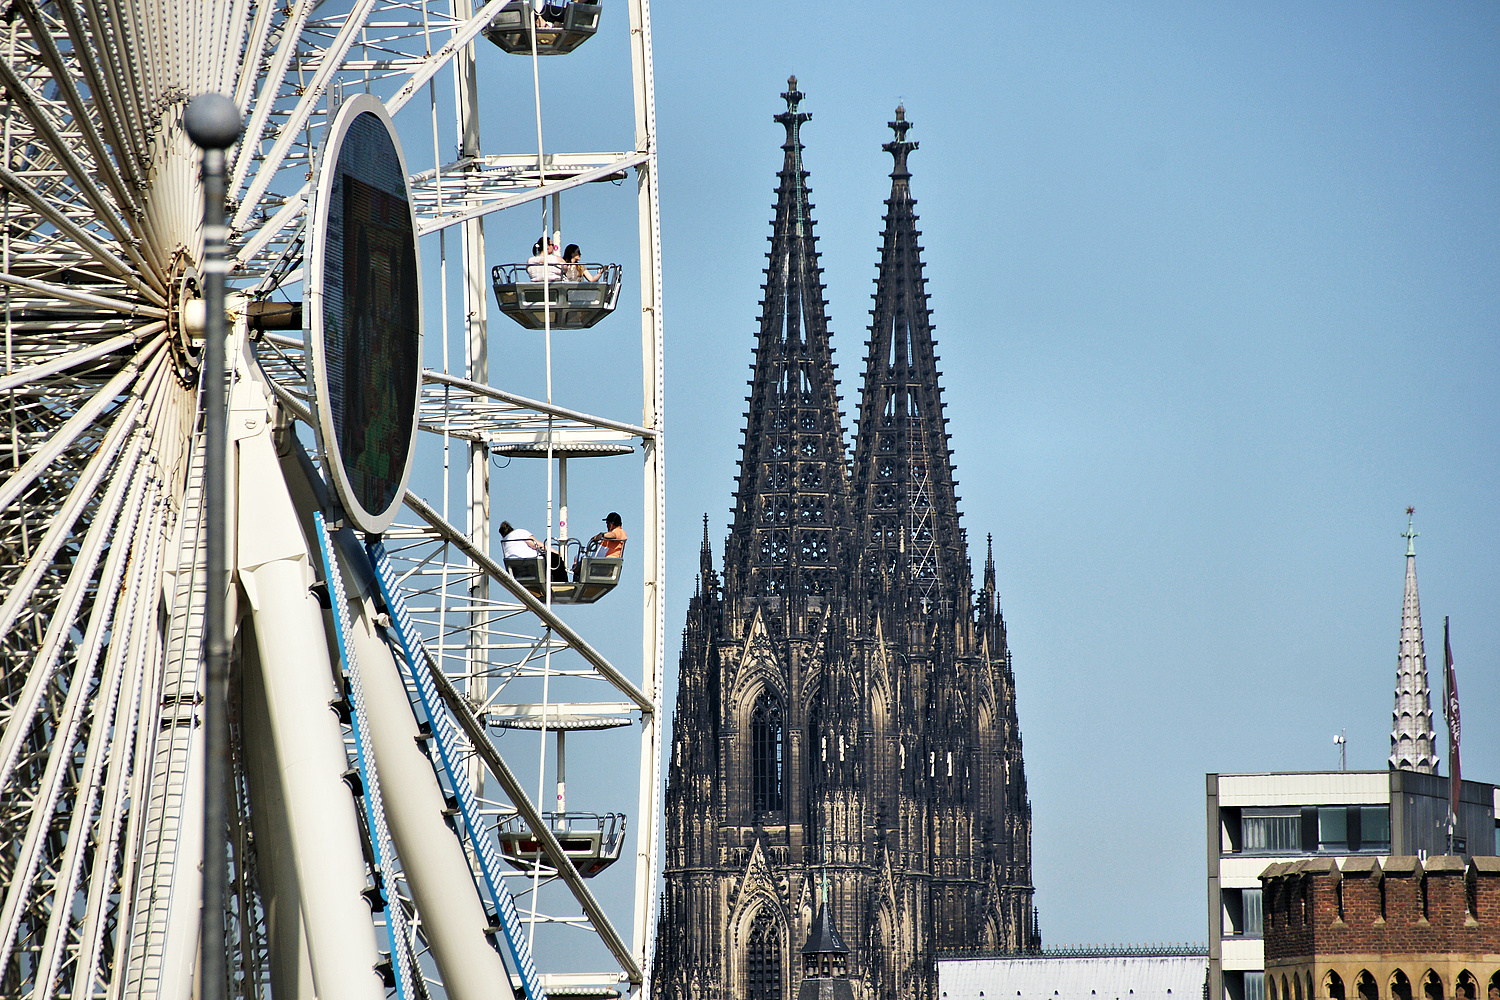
pixel 1450 709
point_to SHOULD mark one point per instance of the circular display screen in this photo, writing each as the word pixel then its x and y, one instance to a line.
pixel 367 337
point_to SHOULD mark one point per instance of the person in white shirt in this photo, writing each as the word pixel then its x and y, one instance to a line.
pixel 518 543
pixel 544 263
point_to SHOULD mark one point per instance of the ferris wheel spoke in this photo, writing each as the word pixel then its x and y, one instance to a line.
pixel 63 292
pixel 59 616
pixel 52 58
pixel 329 64
pixel 24 885
pixel 65 436
pixel 250 141
pixel 18 185
pixel 104 729
pixel 430 66
pixel 123 82
pixel 105 873
pixel 31 107
pixel 66 362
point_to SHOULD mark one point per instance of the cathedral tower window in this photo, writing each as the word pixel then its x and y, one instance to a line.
pixel 766 752
pixel 763 959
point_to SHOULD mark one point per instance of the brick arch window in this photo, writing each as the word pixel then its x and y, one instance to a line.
pixel 767 750
pixel 763 959
pixel 1333 986
pixel 1365 986
pixel 1400 986
pixel 1465 988
pixel 1432 986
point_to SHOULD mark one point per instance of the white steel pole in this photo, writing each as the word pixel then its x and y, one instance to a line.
pixel 476 369
pixel 653 531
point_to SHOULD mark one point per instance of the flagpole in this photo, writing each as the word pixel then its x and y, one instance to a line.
pixel 1450 710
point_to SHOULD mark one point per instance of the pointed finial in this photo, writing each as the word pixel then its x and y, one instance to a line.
pixel 793 96
pixel 1409 534
pixel 900 148
pixel 791 117
pixel 705 529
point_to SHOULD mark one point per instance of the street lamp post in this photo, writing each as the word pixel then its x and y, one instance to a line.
pixel 213 123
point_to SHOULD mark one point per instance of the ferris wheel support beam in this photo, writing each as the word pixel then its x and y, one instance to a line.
pixel 436 868
pixel 275 571
pixel 477 369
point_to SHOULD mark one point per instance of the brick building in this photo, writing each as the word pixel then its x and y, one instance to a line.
pixel 1404 929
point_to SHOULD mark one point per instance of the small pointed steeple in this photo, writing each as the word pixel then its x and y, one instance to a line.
pixel 904 487
pixel 825 961
pixel 1412 735
pixel 791 502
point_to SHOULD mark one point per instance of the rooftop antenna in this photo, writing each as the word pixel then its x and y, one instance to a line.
pixel 1343 745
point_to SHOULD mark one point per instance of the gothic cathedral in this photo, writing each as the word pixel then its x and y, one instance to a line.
pixel 846 797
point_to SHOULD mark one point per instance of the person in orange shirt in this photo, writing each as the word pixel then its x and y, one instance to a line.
pixel 610 543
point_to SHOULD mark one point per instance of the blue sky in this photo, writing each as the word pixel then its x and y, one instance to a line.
pixel 1215 291
pixel 1214 288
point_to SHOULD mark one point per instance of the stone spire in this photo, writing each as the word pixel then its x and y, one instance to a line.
pixel 1412 736
pixel 791 501
pixel 907 509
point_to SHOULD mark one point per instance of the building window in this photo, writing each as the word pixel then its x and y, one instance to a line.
pixel 1255 986
pixel 763 959
pixel 1333 829
pixel 1374 828
pixel 766 742
pixel 1251 902
pixel 1270 832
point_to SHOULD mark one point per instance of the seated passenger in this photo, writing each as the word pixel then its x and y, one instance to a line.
pixel 518 543
pixel 573 269
pixel 608 544
pixel 544 264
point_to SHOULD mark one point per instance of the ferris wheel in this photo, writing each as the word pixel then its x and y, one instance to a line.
pixel 405 690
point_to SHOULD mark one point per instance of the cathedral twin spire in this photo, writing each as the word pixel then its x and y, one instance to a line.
pixel 792 496
pixel 910 543
pixel 906 550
